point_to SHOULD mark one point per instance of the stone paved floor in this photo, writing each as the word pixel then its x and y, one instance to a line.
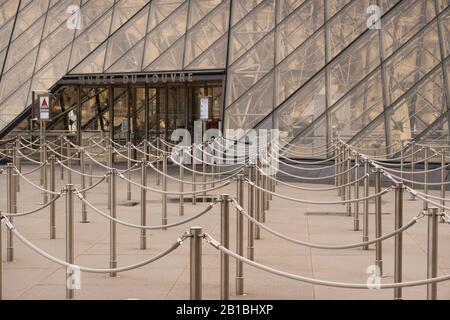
pixel 32 277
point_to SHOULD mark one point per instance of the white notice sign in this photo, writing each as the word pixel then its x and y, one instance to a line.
pixel 204 108
pixel 44 108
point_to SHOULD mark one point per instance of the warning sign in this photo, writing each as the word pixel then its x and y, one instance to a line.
pixel 44 107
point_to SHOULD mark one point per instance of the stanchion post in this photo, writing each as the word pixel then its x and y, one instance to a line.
pixel 251 210
pixel 158 154
pixel 366 204
pixel 17 163
pixel 196 263
pixel 1 260
pixel 44 175
pixel 143 239
pixel 84 217
pixel 194 175
pixel 90 165
pixel 443 182
pixel 432 252
pixel 336 165
pixel 112 225
pixel 225 241
pixel 356 193
pixel 128 171
pixel 425 176
pixel 402 160
pixel 61 150
pixel 398 241
pixel 181 185
pixel 412 197
pixel 378 222
pixel 240 236
pixel 343 176
pixel 69 162
pixel 348 180
pixel 338 169
pixel 205 167
pixel 52 206
pixel 109 165
pixel 69 236
pixel 11 208
pixel 164 195
pixel 257 203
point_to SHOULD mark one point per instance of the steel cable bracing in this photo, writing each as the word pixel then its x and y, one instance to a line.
pixel 320 202
pixel 77 172
pixel 208 173
pixel 415 172
pixel 141 227
pixel 322 246
pixel 214 243
pixel 63 263
pixel 33 184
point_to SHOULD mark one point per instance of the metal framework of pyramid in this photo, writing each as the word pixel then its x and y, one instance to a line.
pixel 303 66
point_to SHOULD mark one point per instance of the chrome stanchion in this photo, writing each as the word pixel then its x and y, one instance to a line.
pixel 84 217
pixel 112 225
pixel 225 241
pixel 52 206
pixel 164 195
pixel 366 204
pixel 257 204
pixel 443 178
pixel 158 154
pixel 196 263
pixel 194 175
pixel 432 252
pixel 338 169
pixel 17 163
pixel 240 236
pixel 378 223
pixel 343 176
pixel 348 180
pixel 412 197
pixel 143 239
pixel 181 185
pixel 402 160
pixel 69 237
pixel 356 193
pixel 425 177
pixel 61 150
pixel 44 175
pixel 251 211
pixel 1 255
pixel 336 152
pixel 90 165
pixel 129 172
pixel 11 208
pixel 204 172
pixel 69 162
pixel 398 241
pixel 109 165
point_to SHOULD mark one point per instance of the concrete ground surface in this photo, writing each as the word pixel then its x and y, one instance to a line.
pixel 32 277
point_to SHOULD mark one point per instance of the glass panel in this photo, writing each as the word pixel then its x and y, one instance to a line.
pixel 386 5
pixel 311 141
pixel 300 66
pixel 359 108
pixel 242 8
pixel 16 76
pixel 251 29
pixel 423 105
pixel 250 68
pixel 404 22
pixel 213 58
pixel 8 10
pixel 58 15
pixel 131 61
pixel 200 9
pixel 414 61
pixel 5 34
pixel 353 65
pixel 165 35
pixel 124 10
pixel 29 15
pixel 207 32
pixel 347 25
pixel 372 139
pixel 445 27
pixel 293 31
pixel 138 115
pixel 334 6
pixel 302 109
pixel 120 114
pixel 251 107
pixel 171 59
pixel 14 105
pixel 160 10
pixel 89 40
pixel 438 135
pixel 92 11
pixel 443 4
pixel 93 63
pixel 286 7
pixel 126 37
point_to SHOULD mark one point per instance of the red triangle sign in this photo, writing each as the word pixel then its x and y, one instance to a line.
pixel 44 104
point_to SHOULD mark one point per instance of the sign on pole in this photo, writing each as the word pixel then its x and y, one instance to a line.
pixel 44 107
pixel 204 108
